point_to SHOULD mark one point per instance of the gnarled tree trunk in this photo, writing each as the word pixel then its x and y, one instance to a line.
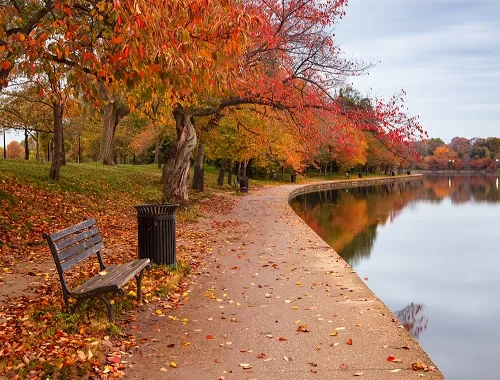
pixel 199 172
pixel 113 113
pixel 58 156
pixel 175 174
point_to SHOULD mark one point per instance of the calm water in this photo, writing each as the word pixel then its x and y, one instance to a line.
pixel 431 251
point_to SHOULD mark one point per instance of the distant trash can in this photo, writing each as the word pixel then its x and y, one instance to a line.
pixel 293 178
pixel 244 185
pixel 393 174
pixel 360 174
pixel 156 233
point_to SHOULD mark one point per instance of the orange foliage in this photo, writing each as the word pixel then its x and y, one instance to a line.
pixel 15 151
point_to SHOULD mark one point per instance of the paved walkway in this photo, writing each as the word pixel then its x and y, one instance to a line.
pixel 275 302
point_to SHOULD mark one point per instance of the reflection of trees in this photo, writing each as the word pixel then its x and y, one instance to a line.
pixel 462 188
pixel 360 246
pixel 413 319
pixel 347 219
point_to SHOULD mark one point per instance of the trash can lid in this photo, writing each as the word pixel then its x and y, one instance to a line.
pixel 156 209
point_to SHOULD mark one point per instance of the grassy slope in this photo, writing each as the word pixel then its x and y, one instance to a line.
pixel 31 204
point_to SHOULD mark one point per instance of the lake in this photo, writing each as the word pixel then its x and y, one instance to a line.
pixel 430 250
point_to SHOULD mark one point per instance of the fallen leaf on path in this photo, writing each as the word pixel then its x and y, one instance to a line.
pixel 349 341
pixel 245 365
pixel 173 364
pixel 303 328
pixel 359 374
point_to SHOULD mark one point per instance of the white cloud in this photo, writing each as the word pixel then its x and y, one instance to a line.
pixel 445 54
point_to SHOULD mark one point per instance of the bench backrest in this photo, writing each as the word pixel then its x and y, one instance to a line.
pixel 74 244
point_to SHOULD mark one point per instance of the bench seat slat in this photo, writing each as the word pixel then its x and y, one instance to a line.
pixel 113 279
pixel 62 244
pixel 81 256
pixel 71 230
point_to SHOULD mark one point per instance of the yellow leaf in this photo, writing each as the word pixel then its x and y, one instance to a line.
pixel 159 312
pixel 173 364
pixel 81 355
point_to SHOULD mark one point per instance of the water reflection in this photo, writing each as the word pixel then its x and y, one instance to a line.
pixel 413 319
pixel 441 252
pixel 348 219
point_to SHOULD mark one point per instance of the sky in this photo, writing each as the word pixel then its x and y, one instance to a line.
pixel 444 53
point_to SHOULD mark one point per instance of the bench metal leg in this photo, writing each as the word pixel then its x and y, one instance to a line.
pixel 109 307
pixel 138 278
pixel 78 303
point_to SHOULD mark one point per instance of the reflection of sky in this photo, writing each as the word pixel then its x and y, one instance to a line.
pixel 445 257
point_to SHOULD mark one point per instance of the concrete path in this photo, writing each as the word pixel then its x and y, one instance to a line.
pixel 275 302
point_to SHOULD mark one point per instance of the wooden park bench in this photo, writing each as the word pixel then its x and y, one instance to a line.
pixel 74 244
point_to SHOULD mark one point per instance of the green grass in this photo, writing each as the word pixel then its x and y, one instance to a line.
pixel 90 179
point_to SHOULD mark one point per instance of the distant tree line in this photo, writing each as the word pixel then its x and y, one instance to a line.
pixel 460 154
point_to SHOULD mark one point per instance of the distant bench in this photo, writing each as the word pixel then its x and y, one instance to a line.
pixel 74 244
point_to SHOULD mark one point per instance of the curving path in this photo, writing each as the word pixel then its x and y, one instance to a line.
pixel 274 302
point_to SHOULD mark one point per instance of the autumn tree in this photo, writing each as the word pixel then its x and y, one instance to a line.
pixel 291 64
pixel 14 151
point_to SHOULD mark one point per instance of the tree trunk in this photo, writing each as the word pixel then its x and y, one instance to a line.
pixel 244 171
pixel 230 174
pixel 113 113
pixel 220 178
pixel 26 146
pixel 37 146
pixel 238 172
pixel 199 171
pixel 108 134
pixel 176 167
pixel 58 155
